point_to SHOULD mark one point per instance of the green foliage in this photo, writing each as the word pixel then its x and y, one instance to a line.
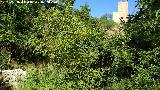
pixel 106 23
pixel 142 38
pixel 16 34
pixel 143 27
pixel 84 57
pixel 72 42
pixel 4 60
pixel 48 78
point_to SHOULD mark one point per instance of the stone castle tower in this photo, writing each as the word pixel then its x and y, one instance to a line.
pixel 122 11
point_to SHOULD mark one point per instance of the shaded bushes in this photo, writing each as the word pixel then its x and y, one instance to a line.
pixel 79 53
pixel 16 34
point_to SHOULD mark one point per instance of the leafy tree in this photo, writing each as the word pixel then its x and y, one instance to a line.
pixel 106 22
pixel 16 30
pixel 142 36
pixel 107 16
pixel 146 20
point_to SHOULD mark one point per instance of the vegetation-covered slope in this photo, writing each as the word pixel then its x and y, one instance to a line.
pixel 75 50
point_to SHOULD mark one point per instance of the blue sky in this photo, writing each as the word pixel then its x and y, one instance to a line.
pixel 101 7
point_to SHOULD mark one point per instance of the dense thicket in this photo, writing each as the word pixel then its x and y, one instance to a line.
pixel 16 31
pixel 142 33
pixel 68 37
pixel 76 49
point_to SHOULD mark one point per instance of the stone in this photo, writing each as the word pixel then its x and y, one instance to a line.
pixel 13 77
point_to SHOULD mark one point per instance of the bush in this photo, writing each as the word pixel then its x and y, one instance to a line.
pixel 71 42
pixel 4 60
pixel 48 78
pixel 16 30
pixel 141 38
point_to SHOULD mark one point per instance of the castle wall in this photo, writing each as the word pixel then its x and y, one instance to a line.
pixel 122 12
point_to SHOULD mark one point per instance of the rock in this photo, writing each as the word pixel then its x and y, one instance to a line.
pixel 12 77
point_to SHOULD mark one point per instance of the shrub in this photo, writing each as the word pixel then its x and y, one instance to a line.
pixel 48 78
pixel 4 60
pixel 16 30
